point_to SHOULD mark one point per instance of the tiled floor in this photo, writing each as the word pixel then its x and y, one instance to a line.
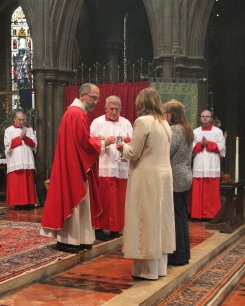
pixel 91 283
pixel 33 215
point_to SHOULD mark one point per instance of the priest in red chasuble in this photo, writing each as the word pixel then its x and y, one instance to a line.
pixel 208 148
pixel 72 201
pixel 20 142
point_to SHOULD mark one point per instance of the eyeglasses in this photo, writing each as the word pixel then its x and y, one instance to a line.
pixel 205 116
pixel 93 97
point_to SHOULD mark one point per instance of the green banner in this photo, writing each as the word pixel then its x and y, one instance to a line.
pixel 186 93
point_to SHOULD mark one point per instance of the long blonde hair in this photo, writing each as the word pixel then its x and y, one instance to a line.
pixel 177 111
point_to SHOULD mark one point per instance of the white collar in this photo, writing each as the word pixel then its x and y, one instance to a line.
pixel 78 103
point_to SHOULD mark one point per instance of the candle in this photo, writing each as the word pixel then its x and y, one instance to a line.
pixel 33 99
pixel 237 160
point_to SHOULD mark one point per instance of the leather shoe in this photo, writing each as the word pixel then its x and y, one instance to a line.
pixel 69 248
pixel 29 207
pixel 114 235
pixel 178 264
pixel 100 235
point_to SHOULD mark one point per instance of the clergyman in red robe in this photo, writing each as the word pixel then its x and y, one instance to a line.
pixel 72 201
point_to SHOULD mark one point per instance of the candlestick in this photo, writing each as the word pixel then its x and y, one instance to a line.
pixel 237 160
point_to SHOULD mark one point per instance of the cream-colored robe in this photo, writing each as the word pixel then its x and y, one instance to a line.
pixel 149 227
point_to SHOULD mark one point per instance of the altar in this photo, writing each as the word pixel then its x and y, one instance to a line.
pixel 231 214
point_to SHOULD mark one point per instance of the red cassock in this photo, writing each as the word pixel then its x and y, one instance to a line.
pixel 205 192
pixel 205 197
pixel 112 193
pixel 75 161
pixel 21 187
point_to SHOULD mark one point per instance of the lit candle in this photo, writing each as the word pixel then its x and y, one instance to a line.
pixel 33 99
pixel 237 160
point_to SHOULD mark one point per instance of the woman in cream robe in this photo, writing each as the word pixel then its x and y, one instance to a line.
pixel 149 231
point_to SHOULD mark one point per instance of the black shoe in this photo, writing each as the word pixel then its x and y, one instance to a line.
pixel 178 263
pixel 114 235
pixel 29 207
pixel 100 235
pixel 69 248
pixel 206 219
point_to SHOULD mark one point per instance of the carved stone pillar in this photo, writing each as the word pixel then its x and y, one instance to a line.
pixel 167 38
pixel 50 119
pixel 39 85
pixel 176 48
pixel 58 106
pixel 41 134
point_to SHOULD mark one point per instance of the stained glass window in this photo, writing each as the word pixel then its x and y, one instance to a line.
pixel 21 51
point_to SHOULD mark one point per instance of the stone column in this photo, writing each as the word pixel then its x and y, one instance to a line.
pixel 41 134
pixel 176 49
pixel 167 38
pixel 50 118
pixel 183 27
pixel 58 106
pixel 58 102
pixel 163 59
pixel 39 85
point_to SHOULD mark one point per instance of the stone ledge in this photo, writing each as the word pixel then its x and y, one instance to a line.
pixel 3 210
pixel 147 293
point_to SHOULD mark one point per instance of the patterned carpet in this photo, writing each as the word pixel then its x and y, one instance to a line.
pixel 22 248
pixel 205 285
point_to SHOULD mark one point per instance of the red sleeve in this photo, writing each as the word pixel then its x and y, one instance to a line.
pixel 95 143
pixel 127 139
pixel 29 142
pixel 212 147
pixel 16 142
pixel 198 148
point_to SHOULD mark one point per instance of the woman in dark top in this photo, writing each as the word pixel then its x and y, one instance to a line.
pixel 180 155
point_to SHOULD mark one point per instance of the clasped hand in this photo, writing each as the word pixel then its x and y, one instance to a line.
pixel 204 141
pixel 23 134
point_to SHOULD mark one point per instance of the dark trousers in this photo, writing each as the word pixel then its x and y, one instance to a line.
pixel 182 253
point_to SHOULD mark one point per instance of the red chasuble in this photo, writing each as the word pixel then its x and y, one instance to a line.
pixel 75 161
